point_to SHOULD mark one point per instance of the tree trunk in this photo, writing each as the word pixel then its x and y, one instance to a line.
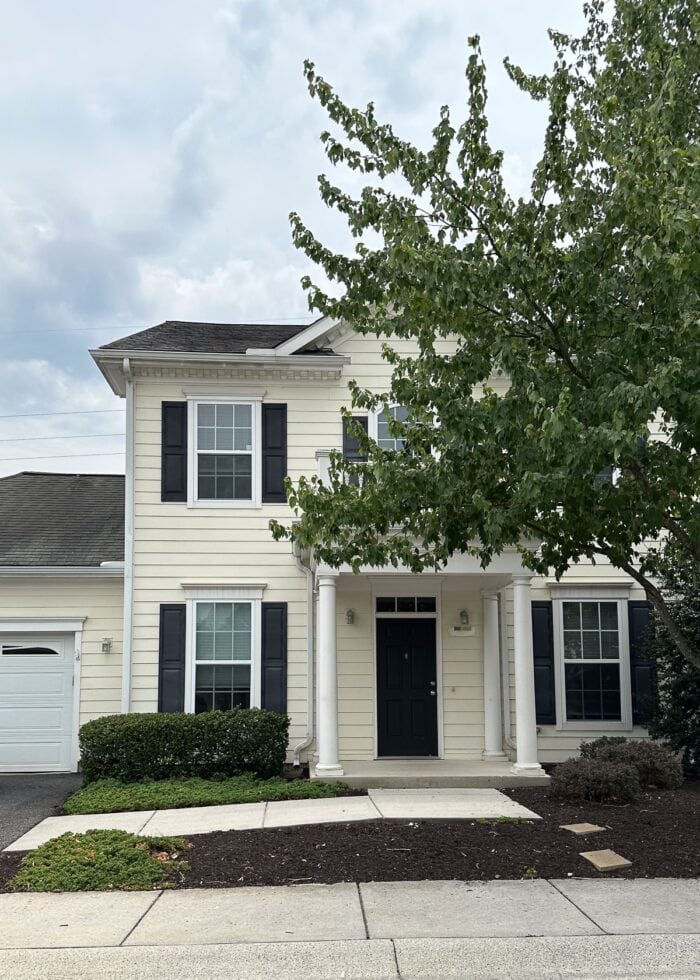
pixel 656 598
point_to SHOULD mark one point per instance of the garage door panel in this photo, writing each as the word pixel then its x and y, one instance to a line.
pixel 36 703
pixel 41 756
pixel 36 684
pixel 32 719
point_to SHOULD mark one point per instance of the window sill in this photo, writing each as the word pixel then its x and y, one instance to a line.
pixel 224 504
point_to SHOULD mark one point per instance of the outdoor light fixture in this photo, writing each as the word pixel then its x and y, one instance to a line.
pixel 464 617
pixel 349 616
pixel 106 644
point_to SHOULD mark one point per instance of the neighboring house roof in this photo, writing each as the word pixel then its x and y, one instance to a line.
pixel 61 519
pixel 208 338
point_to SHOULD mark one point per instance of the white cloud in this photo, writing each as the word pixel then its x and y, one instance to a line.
pixel 152 153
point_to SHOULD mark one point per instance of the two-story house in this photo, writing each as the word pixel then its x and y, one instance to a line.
pixel 463 675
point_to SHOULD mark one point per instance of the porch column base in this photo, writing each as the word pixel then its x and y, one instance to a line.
pixel 527 769
pixel 493 755
pixel 328 772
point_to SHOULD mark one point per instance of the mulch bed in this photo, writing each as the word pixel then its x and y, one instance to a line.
pixel 659 834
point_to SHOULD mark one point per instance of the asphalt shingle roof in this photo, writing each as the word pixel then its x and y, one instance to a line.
pixel 61 519
pixel 207 338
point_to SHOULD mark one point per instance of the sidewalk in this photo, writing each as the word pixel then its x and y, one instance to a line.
pixel 376 931
pixel 379 804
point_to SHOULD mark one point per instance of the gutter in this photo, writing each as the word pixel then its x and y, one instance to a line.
pixel 309 737
pixel 105 570
pixel 128 540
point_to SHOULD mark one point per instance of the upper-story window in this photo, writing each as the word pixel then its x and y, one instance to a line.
pixel 224 450
pixel 385 439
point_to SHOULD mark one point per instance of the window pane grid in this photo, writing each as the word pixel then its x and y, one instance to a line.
pixel 590 631
pixel 223 655
pixel 592 661
pixel 384 438
pixel 225 451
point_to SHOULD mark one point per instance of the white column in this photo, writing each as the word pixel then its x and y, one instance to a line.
pixel 525 717
pixel 327 674
pixel 493 727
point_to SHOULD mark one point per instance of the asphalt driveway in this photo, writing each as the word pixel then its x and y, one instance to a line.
pixel 26 798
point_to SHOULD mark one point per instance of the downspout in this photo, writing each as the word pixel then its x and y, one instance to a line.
pixel 128 539
pixel 505 672
pixel 308 738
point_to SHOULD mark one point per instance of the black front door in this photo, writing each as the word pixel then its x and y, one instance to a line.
pixel 406 687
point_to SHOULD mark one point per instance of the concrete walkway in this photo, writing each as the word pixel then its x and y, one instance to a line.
pixel 394 804
pixel 379 931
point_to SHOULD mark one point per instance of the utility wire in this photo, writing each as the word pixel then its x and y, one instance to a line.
pixel 271 320
pixel 97 435
pixel 88 411
pixel 11 459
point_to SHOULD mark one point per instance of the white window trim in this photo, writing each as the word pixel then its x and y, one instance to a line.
pixel 242 595
pixel 592 595
pixel 255 401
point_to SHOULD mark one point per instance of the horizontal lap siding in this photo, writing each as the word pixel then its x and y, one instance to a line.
pixel 100 602
pixel 462 678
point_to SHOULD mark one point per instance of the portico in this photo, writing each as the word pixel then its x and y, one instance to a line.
pixel 414 675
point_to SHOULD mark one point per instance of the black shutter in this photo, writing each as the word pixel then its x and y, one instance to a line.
pixel 173 473
pixel 274 656
pixel 171 657
pixel 274 453
pixel 543 657
pixel 351 444
pixel 642 669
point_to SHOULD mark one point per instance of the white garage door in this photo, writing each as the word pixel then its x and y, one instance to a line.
pixel 36 702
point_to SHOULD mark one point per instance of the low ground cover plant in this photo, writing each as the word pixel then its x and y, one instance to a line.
pixel 165 745
pixel 109 795
pixel 101 860
pixel 615 770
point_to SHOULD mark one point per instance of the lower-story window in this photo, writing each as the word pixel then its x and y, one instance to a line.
pixel 223 655
pixel 592 660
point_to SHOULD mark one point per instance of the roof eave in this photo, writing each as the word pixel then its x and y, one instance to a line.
pixel 111 362
pixel 115 570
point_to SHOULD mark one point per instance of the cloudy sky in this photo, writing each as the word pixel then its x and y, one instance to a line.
pixel 151 153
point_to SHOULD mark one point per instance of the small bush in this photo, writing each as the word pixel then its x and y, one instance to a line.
pixel 595 780
pixel 108 795
pixel 656 766
pixel 591 750
pixel 101 860
pixel 162 746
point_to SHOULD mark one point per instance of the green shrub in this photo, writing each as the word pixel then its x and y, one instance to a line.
pixel 101 860
pixel 590 750
pixel 676 717
pixel 108 795
pixel 656 766
pixel 595 780
pixel 161 746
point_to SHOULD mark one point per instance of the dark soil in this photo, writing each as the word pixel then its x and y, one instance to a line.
pixel 659 834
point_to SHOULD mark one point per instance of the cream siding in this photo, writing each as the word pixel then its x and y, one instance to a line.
pixel 174 544
pixel 98 600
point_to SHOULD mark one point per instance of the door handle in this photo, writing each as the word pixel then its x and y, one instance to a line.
pixel 433 694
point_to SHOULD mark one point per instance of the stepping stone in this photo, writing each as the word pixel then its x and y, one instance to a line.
pixel 582 828
pixel 606 860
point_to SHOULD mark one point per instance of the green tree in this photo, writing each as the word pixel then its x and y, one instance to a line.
pixel 584 295
pixel 676 717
